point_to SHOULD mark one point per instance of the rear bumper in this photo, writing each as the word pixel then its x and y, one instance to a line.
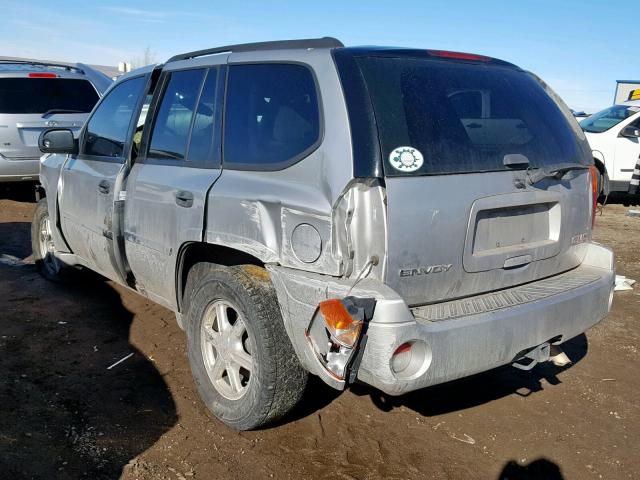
pixel 21 169
pixel 461 341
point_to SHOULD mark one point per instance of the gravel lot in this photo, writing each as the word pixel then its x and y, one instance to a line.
pixel 64 415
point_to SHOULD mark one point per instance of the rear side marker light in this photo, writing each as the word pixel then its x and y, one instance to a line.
pixel 43 75
pixel 458 55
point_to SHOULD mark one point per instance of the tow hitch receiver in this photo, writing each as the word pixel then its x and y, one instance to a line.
pixel 530 358
pixel 336 330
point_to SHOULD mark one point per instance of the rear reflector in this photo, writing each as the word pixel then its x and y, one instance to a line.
pixel 43 75
pixel 458 55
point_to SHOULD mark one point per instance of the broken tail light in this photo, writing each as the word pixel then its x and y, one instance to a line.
pixel 335 330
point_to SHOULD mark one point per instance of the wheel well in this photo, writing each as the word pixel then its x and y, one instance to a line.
pixel 196 252
pixel 600 166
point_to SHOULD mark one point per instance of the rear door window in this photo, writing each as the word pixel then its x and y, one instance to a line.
pixel 174 115
pixel 108 127
pixel 463 117
pixel 204 143
pixel 272 118
pixel 40 95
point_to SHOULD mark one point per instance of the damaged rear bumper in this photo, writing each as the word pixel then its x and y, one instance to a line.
pixel 452 339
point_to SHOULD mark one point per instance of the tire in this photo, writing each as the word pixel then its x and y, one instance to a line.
pixel 242 360
pixel 43 248
pixel 603 186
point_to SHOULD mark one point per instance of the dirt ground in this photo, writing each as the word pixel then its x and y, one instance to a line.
pixel 65 415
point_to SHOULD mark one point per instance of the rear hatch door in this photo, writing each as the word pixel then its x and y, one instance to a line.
pixel 461 141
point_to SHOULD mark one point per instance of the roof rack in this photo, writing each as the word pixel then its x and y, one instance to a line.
pixel 324 42
pixel 5 61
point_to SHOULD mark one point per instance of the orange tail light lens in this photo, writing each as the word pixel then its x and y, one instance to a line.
pixel 342 326
pixel 593 173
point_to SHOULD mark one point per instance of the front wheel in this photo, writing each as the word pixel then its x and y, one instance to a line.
pixel 43 247
pixel 242 360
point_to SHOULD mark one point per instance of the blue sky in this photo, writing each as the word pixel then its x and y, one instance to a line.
pixel 579 47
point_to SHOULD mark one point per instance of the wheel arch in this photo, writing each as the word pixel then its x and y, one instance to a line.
pixel 598 161
pixel 191 253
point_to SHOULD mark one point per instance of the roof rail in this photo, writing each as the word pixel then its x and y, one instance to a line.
pixel 5 61
pixel 324 42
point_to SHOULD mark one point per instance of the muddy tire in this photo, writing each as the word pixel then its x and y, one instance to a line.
pixel 42 247
pixel 241 358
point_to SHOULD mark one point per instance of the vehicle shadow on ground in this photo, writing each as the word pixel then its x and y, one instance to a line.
pixel 20 192
pixel 64 413
pixel 15 239
pixel 541 468
pixel 478 389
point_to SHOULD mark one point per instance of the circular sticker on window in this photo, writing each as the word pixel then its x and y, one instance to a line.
pixel 406 159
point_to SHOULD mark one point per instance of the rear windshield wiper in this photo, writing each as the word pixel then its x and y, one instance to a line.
pixel 59 110
pixel 556 171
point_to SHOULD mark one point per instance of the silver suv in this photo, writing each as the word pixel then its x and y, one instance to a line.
pixel 396 217
pixel 35 96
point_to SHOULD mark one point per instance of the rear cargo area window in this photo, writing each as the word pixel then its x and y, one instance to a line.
pixel 464 117
pixel 39 95
pixel 271 115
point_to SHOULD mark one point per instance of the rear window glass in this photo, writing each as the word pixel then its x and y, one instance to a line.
pixel 272 116
pixel 461 117
pixel 39 95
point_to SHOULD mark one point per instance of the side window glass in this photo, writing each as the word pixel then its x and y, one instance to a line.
pixel 108 127
pixel 174 115
pixel 137 135
pixel 201 145
pixel 272 115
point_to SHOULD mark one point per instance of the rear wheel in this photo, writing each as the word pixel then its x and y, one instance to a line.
pixel 242 360
pixel 44 249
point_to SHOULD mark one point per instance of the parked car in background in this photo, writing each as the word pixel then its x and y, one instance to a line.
pixel 396 217
pixel 35 96
pixel 614 137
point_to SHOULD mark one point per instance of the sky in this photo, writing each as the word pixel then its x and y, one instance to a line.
pixel 580 48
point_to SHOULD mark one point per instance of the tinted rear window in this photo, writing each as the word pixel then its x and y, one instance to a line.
pixel 272 116
pixel 463 117
pixel 39 95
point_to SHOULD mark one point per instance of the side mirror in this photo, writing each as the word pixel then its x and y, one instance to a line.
pixel 630 132
pixel 58 140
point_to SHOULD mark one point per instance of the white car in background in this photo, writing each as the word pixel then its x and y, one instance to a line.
pixel 614 137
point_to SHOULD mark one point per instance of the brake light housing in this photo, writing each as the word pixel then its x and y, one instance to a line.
pixel 43 75
pixel 335 332
pixel 593 177
pixel 459 55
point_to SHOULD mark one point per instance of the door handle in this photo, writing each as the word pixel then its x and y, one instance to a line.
pixel 104 187
pixel 184 198
pixel 474 125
